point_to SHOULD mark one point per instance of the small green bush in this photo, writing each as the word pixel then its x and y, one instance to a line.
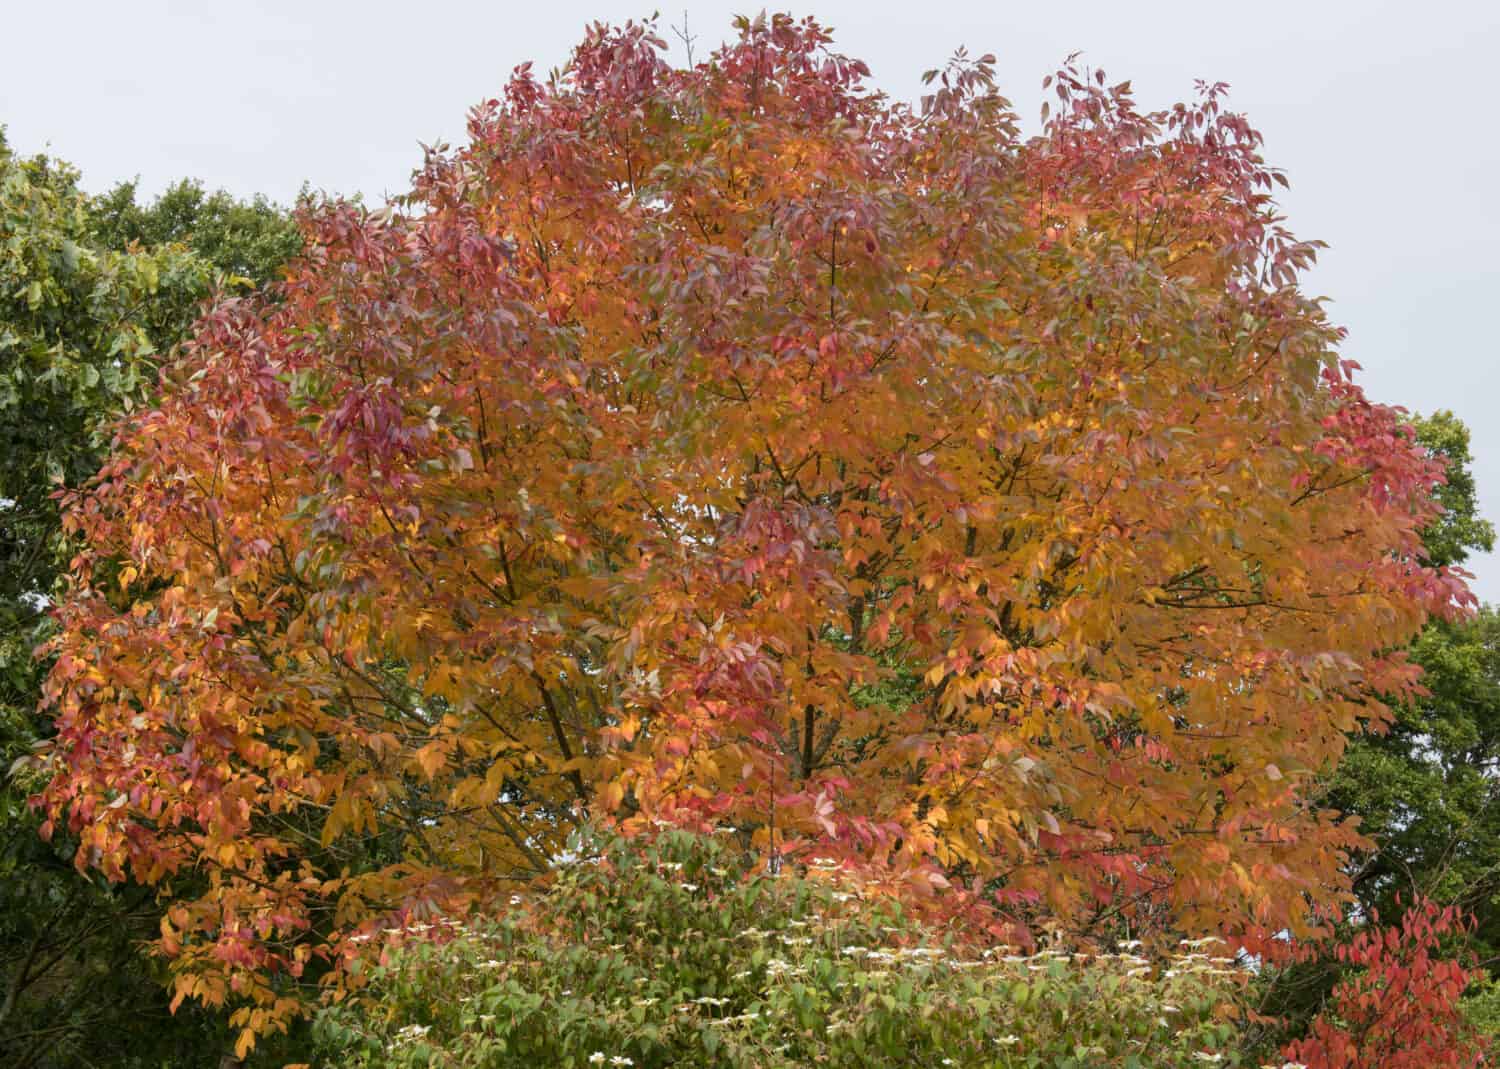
pixel 674 952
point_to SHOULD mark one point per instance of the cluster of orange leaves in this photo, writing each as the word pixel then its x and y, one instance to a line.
pixel 732 446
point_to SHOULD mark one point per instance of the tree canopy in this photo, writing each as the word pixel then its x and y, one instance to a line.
pixel 732 446
pixel 247 240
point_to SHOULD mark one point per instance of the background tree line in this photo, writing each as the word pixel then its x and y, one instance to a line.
pixel 94 292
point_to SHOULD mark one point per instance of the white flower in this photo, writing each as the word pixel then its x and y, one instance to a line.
pixel 597 1058
pixel 1008 1041
pixel 620 1059
pixel 1205 1056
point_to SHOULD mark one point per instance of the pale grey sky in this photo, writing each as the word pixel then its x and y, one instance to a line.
pixel 1382 113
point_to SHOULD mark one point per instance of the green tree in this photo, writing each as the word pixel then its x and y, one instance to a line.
pixel 92 294
pixel 246 239
pixel 1426 790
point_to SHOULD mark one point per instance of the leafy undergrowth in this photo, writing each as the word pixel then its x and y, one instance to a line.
pixel 673 952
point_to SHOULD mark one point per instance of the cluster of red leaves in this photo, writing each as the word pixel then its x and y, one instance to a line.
pixel 734 447
pixel 1400 1010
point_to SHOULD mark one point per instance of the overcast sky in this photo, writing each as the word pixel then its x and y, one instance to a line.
pixel 1381 113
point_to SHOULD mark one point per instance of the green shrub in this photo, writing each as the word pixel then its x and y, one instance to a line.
pixel 674 952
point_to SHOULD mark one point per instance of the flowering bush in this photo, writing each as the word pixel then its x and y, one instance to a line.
pixel 673 951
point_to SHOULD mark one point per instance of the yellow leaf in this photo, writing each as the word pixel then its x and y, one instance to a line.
pixel 431 759
pixel 245 1044
pixel 612 795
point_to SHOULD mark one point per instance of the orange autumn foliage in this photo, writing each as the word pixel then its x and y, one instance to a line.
pixel 735 447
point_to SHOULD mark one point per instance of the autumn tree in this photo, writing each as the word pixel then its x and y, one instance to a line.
pixel 732 446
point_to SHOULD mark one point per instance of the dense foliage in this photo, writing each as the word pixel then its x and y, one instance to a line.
pixel 733 447
pixel 85 317
pixel 251 240
pixel 682 951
